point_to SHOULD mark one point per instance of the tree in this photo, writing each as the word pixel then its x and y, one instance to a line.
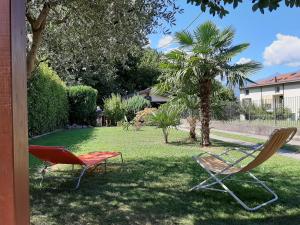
pixel 202 57
pixel 218 6
pixel 188 104
pixel 223 101
pixel 90 31
pixel 139 72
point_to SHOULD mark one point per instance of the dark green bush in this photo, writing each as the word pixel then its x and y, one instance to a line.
pixel 47 101
pixel 82 101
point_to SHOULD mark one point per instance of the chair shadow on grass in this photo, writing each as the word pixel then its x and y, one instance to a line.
pixel 155 191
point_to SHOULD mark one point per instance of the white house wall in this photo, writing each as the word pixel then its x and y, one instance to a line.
pixel 290 91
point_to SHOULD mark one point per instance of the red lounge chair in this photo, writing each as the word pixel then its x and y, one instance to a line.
pixel 52 155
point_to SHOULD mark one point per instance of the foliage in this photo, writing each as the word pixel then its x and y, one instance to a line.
pixel 135 104
pixel 79 35
pixel 47 101
pixel 143 117
pixel 114 108
pixel 125 123
pixel 203 55
pixel 218 6
pixel 262 112
pixel 165 117
pixel 139 72
pixel 83 105
pixel 224 104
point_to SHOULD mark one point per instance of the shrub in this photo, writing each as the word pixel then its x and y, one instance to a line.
pixel 164 118
pixel 82 100
pixel 143 117
pixel 114 108
pixel 47 101
pixel 125 123
pixel 135 104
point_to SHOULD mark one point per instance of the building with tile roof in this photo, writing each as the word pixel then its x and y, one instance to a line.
pixel 280 91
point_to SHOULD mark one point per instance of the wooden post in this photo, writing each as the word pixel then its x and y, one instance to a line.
pixel 14 187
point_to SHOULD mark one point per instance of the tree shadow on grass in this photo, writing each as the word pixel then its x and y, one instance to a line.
pixel 155 191
pixel 215 143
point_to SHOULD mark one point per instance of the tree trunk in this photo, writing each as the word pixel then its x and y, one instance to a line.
pixel 166 134
pixel 192 122
pixel 37 26
pixel 205 109
pixel 31 59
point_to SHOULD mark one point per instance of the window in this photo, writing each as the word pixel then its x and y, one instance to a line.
pixel 277 89
pixel 281 99
pixel 247 92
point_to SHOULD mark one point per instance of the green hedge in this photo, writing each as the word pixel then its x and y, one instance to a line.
pixel 82 100
pixel 47 101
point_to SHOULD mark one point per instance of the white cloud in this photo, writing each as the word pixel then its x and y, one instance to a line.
pixel 165 41
pixel 285 50
pixel 243 60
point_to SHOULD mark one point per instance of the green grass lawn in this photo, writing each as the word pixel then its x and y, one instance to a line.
pixel 152 186
pixel 294 148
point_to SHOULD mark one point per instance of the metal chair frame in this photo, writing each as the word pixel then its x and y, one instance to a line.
pixel 84 169
pixel 219 178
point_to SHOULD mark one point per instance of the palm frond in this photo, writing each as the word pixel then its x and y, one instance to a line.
pixel 184 38
pixel 225 38
pixel 237 74
pixel 206 33
pixel 176 55
pixel 231 52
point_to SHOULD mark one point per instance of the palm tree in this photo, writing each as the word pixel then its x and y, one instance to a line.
pixel 165 118
pixel 188 106
pixel 204 55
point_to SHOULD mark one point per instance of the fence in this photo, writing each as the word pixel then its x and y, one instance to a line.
pixel 277 111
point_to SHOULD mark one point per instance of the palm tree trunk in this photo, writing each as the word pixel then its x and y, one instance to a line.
pixel 192 120
pixel 165 132
pixel 205 109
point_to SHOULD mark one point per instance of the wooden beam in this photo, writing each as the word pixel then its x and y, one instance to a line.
pixel 14 185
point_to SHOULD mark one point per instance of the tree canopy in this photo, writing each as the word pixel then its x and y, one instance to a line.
pixel 219 6
pixel 91 32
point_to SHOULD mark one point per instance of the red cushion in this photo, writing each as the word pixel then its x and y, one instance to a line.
pixel 97 157
pixel 54 155
pixel 59 155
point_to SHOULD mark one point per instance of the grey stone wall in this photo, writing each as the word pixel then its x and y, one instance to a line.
pixel 248 128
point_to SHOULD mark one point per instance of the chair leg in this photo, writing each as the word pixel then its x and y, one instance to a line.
pixel 121 157
pixel 81 174
pixel 105 166
pixel 219 181
pixel 201 184
pixel 43 172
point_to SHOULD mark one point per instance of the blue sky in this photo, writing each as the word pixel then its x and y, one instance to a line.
pixel 274 37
